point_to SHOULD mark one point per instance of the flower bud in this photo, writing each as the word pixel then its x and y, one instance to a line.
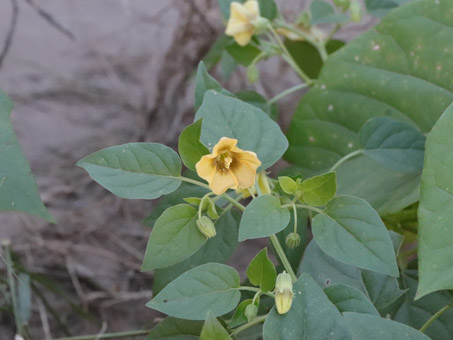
pixel 293 240
pixel 206 227
pixel 342 4
pixel 261 24
pixel 355 10
pixel 263 184
pixel 252 73
pixel 283 293
pixel 251 311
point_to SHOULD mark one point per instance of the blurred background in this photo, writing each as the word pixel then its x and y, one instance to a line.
pixel 84 75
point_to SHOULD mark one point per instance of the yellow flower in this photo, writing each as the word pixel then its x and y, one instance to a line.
pixel 283 293
pixel 240 25
pixel 228 167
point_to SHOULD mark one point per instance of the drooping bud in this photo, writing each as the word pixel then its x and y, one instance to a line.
pixel 293 240
pixel 252 73
pixel 206 227
pixel 355 10
pixel 283 293
pixel 261 24
pixel 251 311
pixel 263 184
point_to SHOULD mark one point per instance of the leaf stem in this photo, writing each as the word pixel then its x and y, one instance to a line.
pixel 303 206
pixel 295 217
pixel 233 201
pixel 345 158
pixel 126 334
pixel 281 254
pixel 434 317
pixel 252 323
pixel 256 290
pixel 193 181
pixel 286 93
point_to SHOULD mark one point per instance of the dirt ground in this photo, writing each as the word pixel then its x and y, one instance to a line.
pixel 125 76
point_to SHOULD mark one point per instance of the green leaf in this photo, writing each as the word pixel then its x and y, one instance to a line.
pixel 393 144
pixel 349 299
pixel 320 9
pixel 176 329
pixel 312 316
pixel 216 51
pixel 218 249
pixel 243 55
pixel 227 66
pixel 204 82
pixel 371 327
pixel 190 148
pixel 404 56
pixel 255 99
pixel 135 170
pixel 328 271
pixel 435 213
pixel 263 217
pixel 239 314
pixel 351 231
pixel 229 117
pixel 416 313
pixel 288 185
pixel 210 286
pixel 213 329
pixel 320 189
pixel 174 238
pixel 268 9
pixel 379 8
pixel 18 190
pixel 261 271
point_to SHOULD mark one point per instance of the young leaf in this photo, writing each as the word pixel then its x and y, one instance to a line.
pixel 204 82
pixel 261 271
pixel 239 314
pixel 229 117
pixel 135 170
pixel 190 148
pixel 18 190
pixel 351 231
pixel 263 217
pixel 211 286
pixel 320 189
pixel 174 238
pixel 172 328
pixel 213 329
pixel 371 327
pixel 435 213
pixel 243 55
pixel 319 10
pixel 288 185
pixel 349 299
pixel 393 144
pixel 312 316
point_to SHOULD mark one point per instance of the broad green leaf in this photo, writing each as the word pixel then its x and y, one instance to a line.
pixel 135 170
pixel 371 327
pixel 213 329
pixel 263 217
pixel 351 231
pixel 227 66
pixel 379 8
pixel 268 9
pixel 435 212
pixel 229 117
pixel 239 314
pixel 320 9
pixel 407 55
pixel 393 144
pixel 218 249
pixel 174 238
pixel 328 271
pixel 261 271
pixel 190 148
pixel 176 329
pixel 312 316
pixel 211 286
pixel 255 99
pixel 18 190
pixel 320 189
pixel 243 55
pixel 176 197
pixel 204 82
pixel 288 185
pixel 416 313
pixel 349 299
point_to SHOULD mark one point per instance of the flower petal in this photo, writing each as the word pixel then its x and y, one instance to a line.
pixel 253 7
pixel 238 11
pixel 243 38
pixel 206 167
pixel 244 168
pixel 236 27
pixel 224 144
pixel 222 181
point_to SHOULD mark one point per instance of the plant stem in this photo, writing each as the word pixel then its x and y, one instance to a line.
pixel 345 158
pixel 281 254
pixel 256 290
pixel 252 323
pixel 295 217
pixel 303 206
pixel 234 202
pixel 434 317
pixel 289 59
pixel 127 334
pixel 286 92
pixel 193 181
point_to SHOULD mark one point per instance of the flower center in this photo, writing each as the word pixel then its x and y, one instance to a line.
pixel 224 161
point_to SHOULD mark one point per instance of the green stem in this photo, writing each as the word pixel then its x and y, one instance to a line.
pixel 345 158
pixel 256 290
pixel 252 323
pixel 193 181
pixel 434 317
pixel 303 206
pixel 289 59
pixel 234 202
pixel 286 93
pixel 295 217
pixel 200 207
pixel 123 335
pixel 281 254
